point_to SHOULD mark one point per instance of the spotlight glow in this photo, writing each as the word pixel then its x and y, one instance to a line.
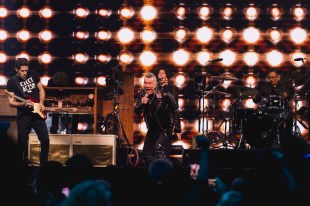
pixel 3 57
pixel 228 57
pixel 103 35
pixel 3 35
pixel 147 58
pixel 101 81
pixel 203 58
pixel 298 35
pixel 251 35
pixel 274 58
pixel 80 58
pixel 23 12
pixel 126 12
pixel 204 11
pixel 46 12
pixel 3 12
pixel 250 58
pixel 125 35
pixel 45 58
pixel 204 34
pixel 125 57
pixel 148 35
pixel 180 57
pixel 23 35
pixel 3 80
pixel 148 13
pixel 45 35
pixel 181 34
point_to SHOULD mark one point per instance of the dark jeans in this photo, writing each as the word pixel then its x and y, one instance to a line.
pixel 156 145
pixel 33 121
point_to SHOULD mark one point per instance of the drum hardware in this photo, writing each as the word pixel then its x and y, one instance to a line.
pixel 225 142
pixel 296 130
pixel 202 96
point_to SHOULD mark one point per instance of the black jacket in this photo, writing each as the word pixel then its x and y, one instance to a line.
pixel 165 110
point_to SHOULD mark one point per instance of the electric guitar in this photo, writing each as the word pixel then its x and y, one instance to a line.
pixel 36 108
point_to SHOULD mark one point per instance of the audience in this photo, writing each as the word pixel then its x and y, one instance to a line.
pixel 78 169
pixel 15 183
pixel 51 179
pixel 90 193
pixel 281 179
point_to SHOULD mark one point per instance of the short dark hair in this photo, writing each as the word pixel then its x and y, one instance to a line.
pixel 274 70
pixel 21 62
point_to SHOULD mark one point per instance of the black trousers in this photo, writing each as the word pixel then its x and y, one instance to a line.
pixel 156 142
pixel 25 123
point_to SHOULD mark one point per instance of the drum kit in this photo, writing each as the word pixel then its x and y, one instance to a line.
pixel 246 128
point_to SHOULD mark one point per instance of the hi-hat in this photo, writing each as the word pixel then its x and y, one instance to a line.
pixel 250 92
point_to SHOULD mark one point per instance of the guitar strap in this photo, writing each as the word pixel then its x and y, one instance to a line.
pixel 19 87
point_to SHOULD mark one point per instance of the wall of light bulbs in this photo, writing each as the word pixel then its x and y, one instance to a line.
pixel 87 38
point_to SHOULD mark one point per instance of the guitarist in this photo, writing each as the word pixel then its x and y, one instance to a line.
pixel 26 84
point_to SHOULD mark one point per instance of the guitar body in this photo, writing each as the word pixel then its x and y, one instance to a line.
pixel 36 108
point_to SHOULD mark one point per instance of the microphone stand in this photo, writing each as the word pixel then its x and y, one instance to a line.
pixel 201 88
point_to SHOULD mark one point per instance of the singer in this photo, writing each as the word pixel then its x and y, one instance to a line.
pixel 161 116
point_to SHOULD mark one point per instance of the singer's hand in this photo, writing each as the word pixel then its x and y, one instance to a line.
pixel 144 100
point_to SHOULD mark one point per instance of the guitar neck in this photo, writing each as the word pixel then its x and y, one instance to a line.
pixel 19 98
pixel 23 100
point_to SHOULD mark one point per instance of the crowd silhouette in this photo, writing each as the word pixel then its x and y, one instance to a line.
pixel 282 179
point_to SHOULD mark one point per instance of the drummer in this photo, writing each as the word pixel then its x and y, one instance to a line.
pixel 274 88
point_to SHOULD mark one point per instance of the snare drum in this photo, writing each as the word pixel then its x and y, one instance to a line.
pixel 275 102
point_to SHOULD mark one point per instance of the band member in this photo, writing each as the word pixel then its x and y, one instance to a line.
pixel 275 96
pixel 26 93
pixel 161 114
pixel 163 76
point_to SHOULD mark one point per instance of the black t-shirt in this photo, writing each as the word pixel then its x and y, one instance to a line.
pixel 28 86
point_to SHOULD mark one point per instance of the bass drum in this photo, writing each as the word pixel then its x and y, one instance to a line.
pixel 260 131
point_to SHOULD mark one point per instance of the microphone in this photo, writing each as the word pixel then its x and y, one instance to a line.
pixel 216 60
pixel 142 93
pixel 299 59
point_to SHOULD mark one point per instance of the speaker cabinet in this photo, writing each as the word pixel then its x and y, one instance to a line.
pixel 100 149
pixel 60 148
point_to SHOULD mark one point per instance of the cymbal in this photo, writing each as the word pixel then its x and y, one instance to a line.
pixel 294 78
pixel 250 92
pixel 217 92
pixel 243 91
pixel 222 77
